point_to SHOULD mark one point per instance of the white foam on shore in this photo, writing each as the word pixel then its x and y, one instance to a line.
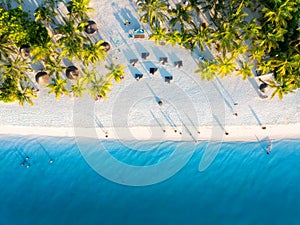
pixel 235 133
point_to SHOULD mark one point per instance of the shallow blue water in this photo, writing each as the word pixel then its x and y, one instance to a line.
pixel 243 185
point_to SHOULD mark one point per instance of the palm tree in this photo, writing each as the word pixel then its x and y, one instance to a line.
pixel 270 40
pixel 43 51
pixel 15 68
pixel 72 40
pixel 174 38
pixel 251 30
pixel 92 53
pixel 181 15
pixel 279 14
pixel 207 70
pixel 195 5
pixel 100 87
pixel 53 64
pixel 89 75
pixel 159 34
pixel 283 86
pixel 200 35
pixel 25 94
pixel 7 47
pixel 228 36
pixel 79 88
pixel 245 70
pixel 8 90
pixel 79 9
pixel 116 72
pixel 45 14
pixel 153 12
pixel 225 66
pixel 58 87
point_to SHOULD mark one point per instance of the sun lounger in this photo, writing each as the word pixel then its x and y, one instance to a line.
pixel 178 64
pixel 163 60
pixel 169 79
pixel 133 61
pixel 153 70
pixel 145 55
pixel 138 76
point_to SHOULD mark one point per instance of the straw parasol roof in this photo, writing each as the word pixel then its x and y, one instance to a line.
pixel 91 28
pixel 106 46
pixel 25 50
pixel 72 72
pixel 42 78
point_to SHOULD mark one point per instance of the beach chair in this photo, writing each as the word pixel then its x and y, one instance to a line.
pixel 178 64
pixel 138 76
pixel 133 61
pixel 153 70
pixel 145 55
pixel 169 79
pixel 163 60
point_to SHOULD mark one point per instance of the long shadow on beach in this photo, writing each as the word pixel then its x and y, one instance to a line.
pixel 219 123
pixel 134 70
pixel 129 54
pixel 157 99
pixel 224 98
pixel 255 116
pixel 140 48
pixel 164 73
pixel 157 121
pixel 157 52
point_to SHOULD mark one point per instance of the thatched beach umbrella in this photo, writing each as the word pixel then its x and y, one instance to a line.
pixel 72 72
pixel 106 46
pixel 42 78
pixel 25 50
pixel 91 28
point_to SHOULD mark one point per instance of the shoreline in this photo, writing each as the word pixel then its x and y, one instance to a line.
pixel 155 133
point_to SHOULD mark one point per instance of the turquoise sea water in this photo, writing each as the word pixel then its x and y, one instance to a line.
pixel 242 186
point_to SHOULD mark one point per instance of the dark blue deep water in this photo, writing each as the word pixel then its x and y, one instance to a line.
pixel 242 185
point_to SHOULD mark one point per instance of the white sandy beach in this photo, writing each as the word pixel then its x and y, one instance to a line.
pixel 189 105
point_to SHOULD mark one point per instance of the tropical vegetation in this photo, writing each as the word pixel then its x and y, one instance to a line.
pixel 51 39
pixel 244 36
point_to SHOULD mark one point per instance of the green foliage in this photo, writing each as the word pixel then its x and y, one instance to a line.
pixel 153 12
pixel 58 87
pixel 13 23
pixel 93 53
pixel 51 43
pixel 181 15
pixel 262 33
pixel 79 9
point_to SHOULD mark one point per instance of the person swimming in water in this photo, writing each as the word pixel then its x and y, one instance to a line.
pixel 269 149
